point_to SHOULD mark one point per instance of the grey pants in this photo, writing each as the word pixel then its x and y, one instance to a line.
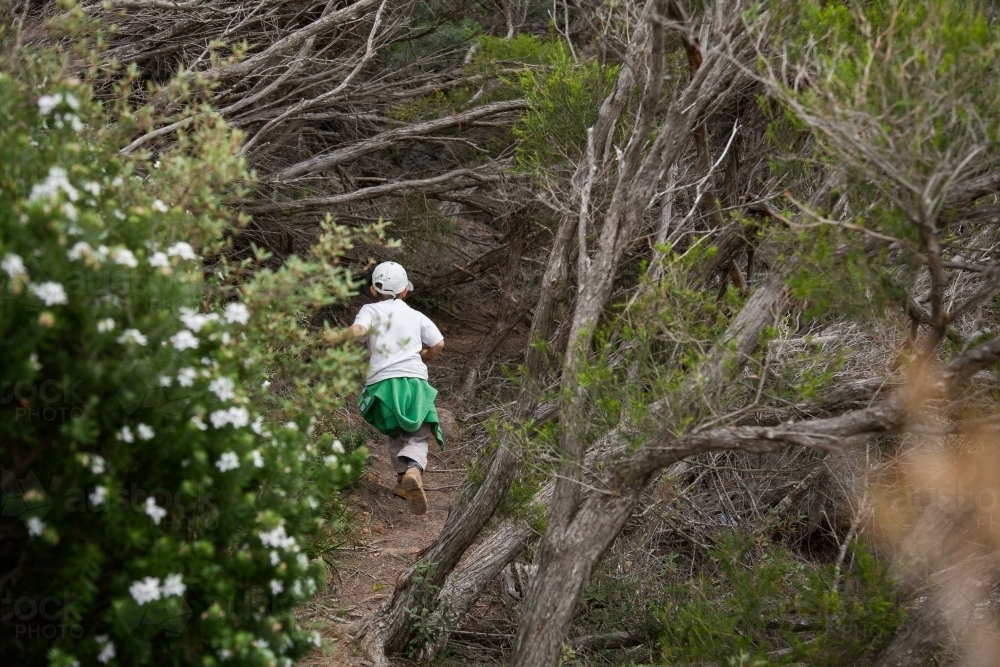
pixel 411 445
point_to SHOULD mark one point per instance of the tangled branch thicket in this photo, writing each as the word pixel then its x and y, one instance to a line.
pixel 757 247
pixel 366 110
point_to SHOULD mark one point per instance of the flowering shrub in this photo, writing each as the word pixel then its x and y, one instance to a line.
pixel 158 504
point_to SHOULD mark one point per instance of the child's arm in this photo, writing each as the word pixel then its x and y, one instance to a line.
pixel 356 331
pixel 350 333
pixel 429 353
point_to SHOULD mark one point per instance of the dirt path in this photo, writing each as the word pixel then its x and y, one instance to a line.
pixel 391 539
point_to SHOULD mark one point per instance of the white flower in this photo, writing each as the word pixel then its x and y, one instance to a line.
pixel 184 340
pixel 223 388
pixel 302 560
pixel 338 446
pixel 227 462
pixel 277 538
pixel 196 420
pixel 258 425
pixel 186 376
pixel 265 384
pixel 125 435
pixel 160 206
pixel 195 321
pixel 166 380
pixel 314 637
pixel 124 257
pixel 132 336
pixel 35 526
pixel 97 464
pixel 107 651
pixel 72 101
pixel 46 103
pixel 98 495
pixel 224 654
pixel 237 312
pixel 92 187
pixel 173 585
pixel 275 558
pixel 159 259
pixel 147 590
pixel 238 417
pixel 79 249
pixel 330 460
pixel 51 293
pixel 155 512
pixel 183 250
pixel 145 432
pixel 53 183
pixel 276 586
pixel 33 360
pixel 13 265
pixel 73 120
pixel 105 325
pixel 225 338
pixel 258 460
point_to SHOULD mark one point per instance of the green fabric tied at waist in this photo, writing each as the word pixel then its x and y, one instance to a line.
pixel 400 404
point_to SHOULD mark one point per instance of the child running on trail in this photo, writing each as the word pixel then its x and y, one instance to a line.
pixel 397 400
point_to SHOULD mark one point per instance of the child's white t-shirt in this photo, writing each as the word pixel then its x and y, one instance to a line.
pixel 396 334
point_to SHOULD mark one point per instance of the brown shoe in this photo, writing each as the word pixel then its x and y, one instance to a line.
pixel 399 490
pixel 413 486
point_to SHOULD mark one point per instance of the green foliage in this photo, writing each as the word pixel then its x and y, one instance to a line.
pixel 438 34
pixel 617 600
pixel 904 63
pixel 156 495
pixel 756 604
pixel 519 499
pixel 522 49
pixel 431 615
pixel 670 327
pixel 900 103
pixel 563 100
pixel 438 29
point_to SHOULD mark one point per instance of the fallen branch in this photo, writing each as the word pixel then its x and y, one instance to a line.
pixel 452 180
pixel 390 137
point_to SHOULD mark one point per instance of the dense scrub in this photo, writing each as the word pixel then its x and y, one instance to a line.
pixel 731 267
pixel 160 505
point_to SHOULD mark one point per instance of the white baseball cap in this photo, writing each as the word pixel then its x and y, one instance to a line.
pixel 390 278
